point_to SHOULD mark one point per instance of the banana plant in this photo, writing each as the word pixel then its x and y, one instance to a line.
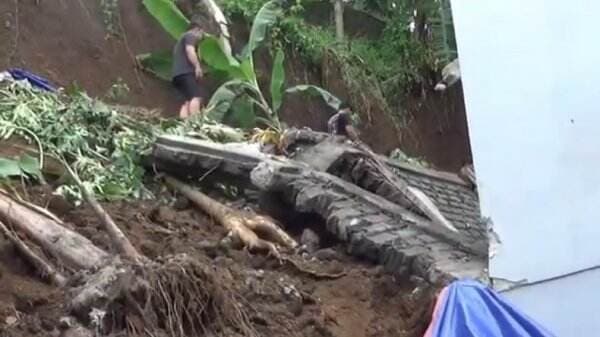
pixel 240 93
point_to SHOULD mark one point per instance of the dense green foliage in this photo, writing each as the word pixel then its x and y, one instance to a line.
pixel 103 146
pixel 399 58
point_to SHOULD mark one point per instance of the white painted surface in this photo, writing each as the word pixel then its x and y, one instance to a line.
pixel 569 307
pixel 531 78
pixel 531 74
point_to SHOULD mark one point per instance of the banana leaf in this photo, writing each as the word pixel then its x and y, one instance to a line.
pixel 223 98
pixel 266 17
pixel 23 166
pixel 158 63
pixel 277 79
pixel 9 168
pixel 248 70
pixel 168 15
pixel 30 166
pixel 242 113
pixel 212 53
pixel 314 90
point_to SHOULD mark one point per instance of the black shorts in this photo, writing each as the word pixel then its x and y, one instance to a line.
pixel 188 86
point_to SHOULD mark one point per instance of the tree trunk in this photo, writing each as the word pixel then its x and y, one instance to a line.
pixel 70 248
pixel 42 266
pixel 338 8
pixel 221 22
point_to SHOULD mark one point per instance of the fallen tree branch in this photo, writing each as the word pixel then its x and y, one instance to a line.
pixel 255 232
pixel 32 206
pixel 117 236
pixel 70 248
pixel 45 268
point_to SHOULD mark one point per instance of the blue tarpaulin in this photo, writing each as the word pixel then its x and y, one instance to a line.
pixel 467 308
pixel 34 80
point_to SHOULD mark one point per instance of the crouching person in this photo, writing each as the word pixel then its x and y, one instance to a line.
pixel 340 124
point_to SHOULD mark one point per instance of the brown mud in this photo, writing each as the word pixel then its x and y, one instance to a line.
pixel 363 303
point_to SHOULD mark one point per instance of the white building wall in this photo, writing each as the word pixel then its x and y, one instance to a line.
pixel 569 307
pixel 531 77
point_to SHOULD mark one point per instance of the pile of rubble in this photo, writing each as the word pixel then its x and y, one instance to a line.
pixel 413 221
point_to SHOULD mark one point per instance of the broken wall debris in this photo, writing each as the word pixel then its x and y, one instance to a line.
pixel 373 227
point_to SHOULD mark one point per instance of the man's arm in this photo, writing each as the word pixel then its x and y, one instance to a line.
pixel 192 55
pixel 352 134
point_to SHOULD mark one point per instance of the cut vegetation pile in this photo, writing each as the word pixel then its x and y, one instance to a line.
pixel 103 145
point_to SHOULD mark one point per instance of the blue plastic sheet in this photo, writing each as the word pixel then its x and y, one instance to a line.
pixel 34 80
pixel 468 308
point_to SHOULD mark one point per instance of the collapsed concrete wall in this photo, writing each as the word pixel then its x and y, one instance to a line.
pixel 374 228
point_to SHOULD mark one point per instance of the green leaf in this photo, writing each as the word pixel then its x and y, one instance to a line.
pixel 222 133
pixel 158 63
pixel 221 100
pixel 277 79
pixel 248 70
pixel 242 113
pixel 266 16
pixel 30 165
pixel 314 90
pixel 113 191
pixel 212 53
pixel 169 16
pixel 9 168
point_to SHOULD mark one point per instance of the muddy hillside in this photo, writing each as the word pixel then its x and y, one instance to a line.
pixel 93 45
pixel 359 299
pixel 118 218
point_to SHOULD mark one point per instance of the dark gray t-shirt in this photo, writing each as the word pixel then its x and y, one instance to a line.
pixel 181 64
pixel 336 125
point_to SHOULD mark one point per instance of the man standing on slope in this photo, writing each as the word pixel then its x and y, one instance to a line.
pixel 187 72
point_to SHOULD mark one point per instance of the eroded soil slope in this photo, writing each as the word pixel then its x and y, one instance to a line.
pixel 363 303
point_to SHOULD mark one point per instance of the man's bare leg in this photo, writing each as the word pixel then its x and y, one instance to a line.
pixel 195 105
pixel 184 111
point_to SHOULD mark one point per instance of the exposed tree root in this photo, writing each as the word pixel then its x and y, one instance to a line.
pixel 175 297
pixel 181 297
pixel 45 268
pixel 255 232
